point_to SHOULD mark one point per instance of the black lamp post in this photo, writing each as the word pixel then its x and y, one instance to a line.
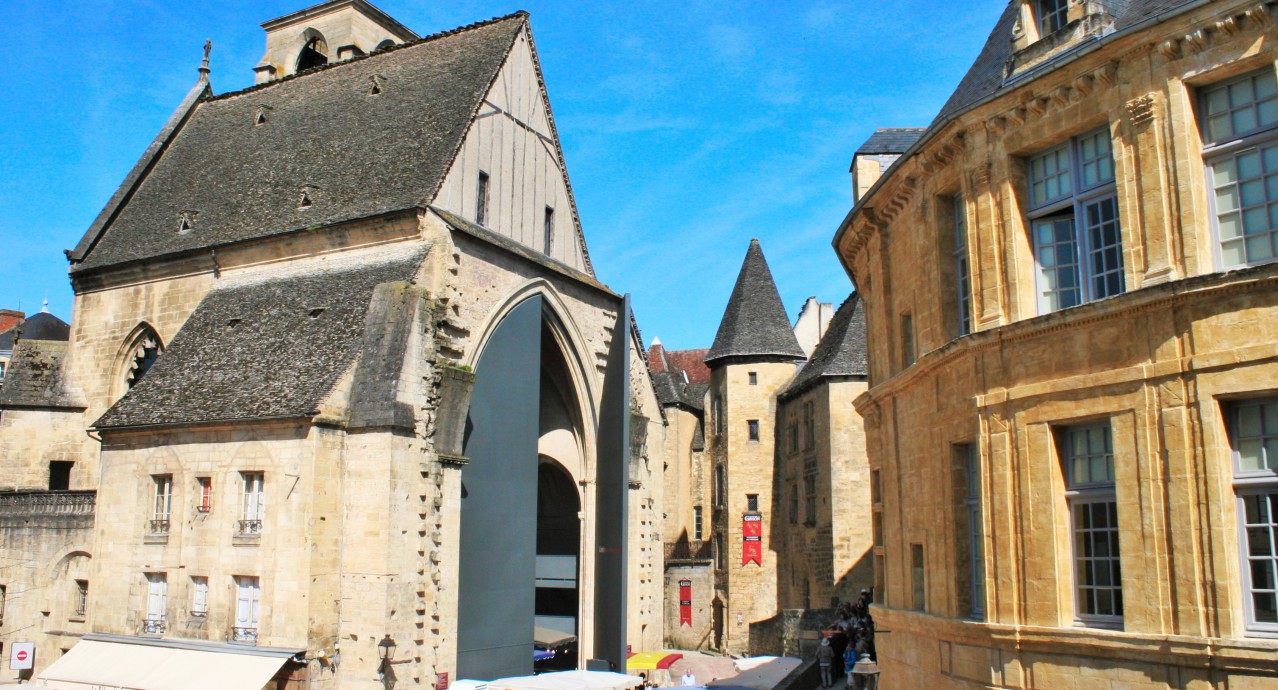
pixel 386 648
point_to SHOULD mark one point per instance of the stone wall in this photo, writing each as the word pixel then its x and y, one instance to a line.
pixel 828 558
pixel 748 589
pixel 689 564
pixel 31 439
pixel 45 540
pixel 1162 365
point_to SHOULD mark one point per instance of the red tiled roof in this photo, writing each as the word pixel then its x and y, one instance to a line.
pixel 691 362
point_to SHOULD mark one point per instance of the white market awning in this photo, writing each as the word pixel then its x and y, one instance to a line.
pixel 568 680
pixel 92 664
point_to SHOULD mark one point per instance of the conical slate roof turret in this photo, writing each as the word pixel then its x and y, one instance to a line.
pixel 755 323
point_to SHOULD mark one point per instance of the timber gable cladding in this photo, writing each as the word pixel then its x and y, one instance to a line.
pixel 1161 365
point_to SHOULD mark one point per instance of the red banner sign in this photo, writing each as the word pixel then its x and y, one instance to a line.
pixel 685 603
pixel 752 538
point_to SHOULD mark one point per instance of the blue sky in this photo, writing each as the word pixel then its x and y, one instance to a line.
pixel 688 127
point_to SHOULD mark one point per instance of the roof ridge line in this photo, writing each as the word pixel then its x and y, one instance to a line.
pixel 359 58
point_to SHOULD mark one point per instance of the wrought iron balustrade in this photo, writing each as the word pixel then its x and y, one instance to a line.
pixel 248 528
pixel 159 527
pixel 244 635
pixel 153 626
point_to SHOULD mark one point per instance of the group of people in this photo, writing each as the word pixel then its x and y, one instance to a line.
pixel 851 637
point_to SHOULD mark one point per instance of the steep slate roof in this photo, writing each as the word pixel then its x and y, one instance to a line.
pixel 41 326
pixel 890 140
pixel 755 323
pixel 254 349
pixel 985 78
pixel 36 376
pixel 841 351
pixel 362 155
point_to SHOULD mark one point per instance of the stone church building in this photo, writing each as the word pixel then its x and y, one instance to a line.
pixel 336 340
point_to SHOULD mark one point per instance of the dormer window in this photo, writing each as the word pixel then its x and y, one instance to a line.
pixel 1052 15
pixel 186 221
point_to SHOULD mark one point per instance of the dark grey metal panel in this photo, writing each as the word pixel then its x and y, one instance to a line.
pixel 495 601
pixel 612 493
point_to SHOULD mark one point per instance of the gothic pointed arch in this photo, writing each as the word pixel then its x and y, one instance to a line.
pixel 141 348
pixel 567 337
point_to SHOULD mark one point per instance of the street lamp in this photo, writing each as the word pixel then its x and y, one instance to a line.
pixel 386 648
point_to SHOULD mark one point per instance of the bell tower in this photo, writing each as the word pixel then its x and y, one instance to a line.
pixel 328 32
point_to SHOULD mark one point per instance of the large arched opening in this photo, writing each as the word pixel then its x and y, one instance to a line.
pixel 535 430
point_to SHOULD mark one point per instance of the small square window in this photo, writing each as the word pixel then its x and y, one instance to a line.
pixel 754 378
pixel 752 503
pixel 753 426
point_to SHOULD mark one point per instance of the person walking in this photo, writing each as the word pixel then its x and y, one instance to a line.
pixel 849 662
pixel 825 660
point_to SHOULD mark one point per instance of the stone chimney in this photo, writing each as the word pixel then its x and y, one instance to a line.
pixel 328 32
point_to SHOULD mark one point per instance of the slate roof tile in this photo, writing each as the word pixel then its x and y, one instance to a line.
pixel 361 155
pixel 37 376
pixel 39 326
pixel 890 140
pixel 755 323
pixel 985 78
pixel 841 351
pixel 260 349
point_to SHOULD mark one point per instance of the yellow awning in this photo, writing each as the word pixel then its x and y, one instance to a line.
pixel 642 661
pixel 93 664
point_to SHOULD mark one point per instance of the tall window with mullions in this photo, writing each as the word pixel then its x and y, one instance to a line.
pixel 1253 435
pixel 1073 219
pixel 1088 455
pixel 962 272
pixel 1238 120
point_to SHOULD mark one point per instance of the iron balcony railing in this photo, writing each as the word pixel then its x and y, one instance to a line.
pixel 153 626
pixel 244 635
pixel 248 527
pixel 159 527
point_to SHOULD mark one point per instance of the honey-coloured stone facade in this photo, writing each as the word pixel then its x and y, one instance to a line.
pixel 991 573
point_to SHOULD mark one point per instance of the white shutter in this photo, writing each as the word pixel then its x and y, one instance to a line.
pixel 157 595
pixel 200 595
pixel 246 602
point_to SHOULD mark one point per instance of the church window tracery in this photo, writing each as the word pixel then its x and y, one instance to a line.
pixel 142 355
